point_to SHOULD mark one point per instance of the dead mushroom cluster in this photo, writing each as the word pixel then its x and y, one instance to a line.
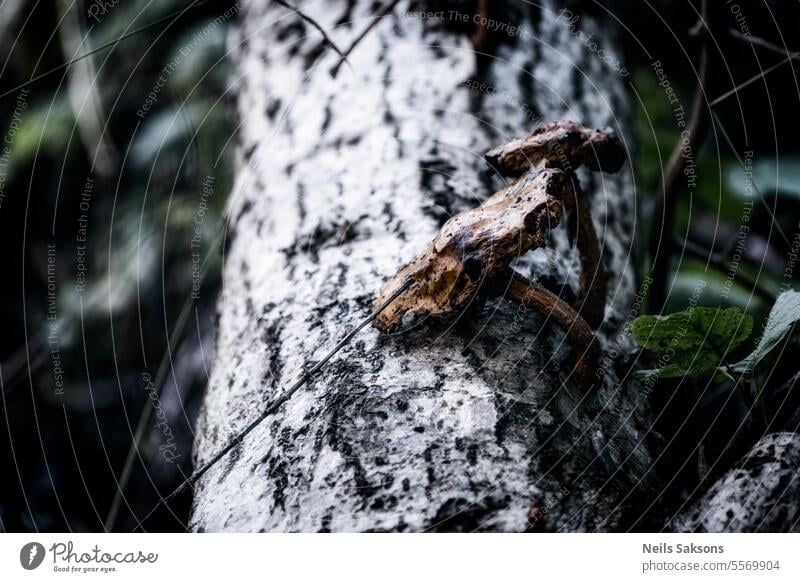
pixel 471 255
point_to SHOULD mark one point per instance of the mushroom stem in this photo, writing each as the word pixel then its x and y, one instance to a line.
pixel 592 292
pixel 518 289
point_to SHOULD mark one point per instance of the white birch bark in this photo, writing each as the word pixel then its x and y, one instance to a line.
pixel 760 494
pixel 340 182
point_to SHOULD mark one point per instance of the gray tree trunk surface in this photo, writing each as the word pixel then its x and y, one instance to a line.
pixel 762 493
pixel 341 182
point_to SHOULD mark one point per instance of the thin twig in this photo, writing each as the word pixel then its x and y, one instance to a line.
pixel 753 79
pixel 325 38
pixel 382 11
pixel 278 402
pixel 760 42
pixel 660 247
pixel 480 38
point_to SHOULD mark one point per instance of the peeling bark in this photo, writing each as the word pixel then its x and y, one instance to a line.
pixel 340 183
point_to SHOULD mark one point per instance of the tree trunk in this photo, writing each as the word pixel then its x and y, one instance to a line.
pixel 342 181
pixel 760 494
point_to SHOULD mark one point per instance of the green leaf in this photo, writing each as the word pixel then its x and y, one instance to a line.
pixel 782 317
pixel 46 127
pixel 691 341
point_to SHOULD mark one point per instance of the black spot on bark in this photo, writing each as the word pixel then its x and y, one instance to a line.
pixel 460 515
pixel 279 474
pixel 271 337
pixel 230 462
pixel 313 54
pixel 327 116
pixel 435 181
pixel 273 107
pixel 347 15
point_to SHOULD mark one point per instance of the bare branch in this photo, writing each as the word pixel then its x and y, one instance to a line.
pixel 760 42
pixel 382 11
pixel 666 200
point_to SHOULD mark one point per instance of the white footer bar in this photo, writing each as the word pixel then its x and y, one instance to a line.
pixel 401 557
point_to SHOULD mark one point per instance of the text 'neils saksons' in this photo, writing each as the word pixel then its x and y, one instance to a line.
pixel 664 548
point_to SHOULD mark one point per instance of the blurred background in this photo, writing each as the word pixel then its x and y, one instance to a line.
pixel 114 172
pixel 113 182
pixel 735 234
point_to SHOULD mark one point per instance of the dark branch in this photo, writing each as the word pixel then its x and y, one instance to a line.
pixel 325 38
pixel 760 42
pixel 666 200
pixel 382 11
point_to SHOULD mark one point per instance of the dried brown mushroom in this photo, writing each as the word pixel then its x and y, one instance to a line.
pixel 568 145
pixel 474 246
pixel 472 253
pixel 561 144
